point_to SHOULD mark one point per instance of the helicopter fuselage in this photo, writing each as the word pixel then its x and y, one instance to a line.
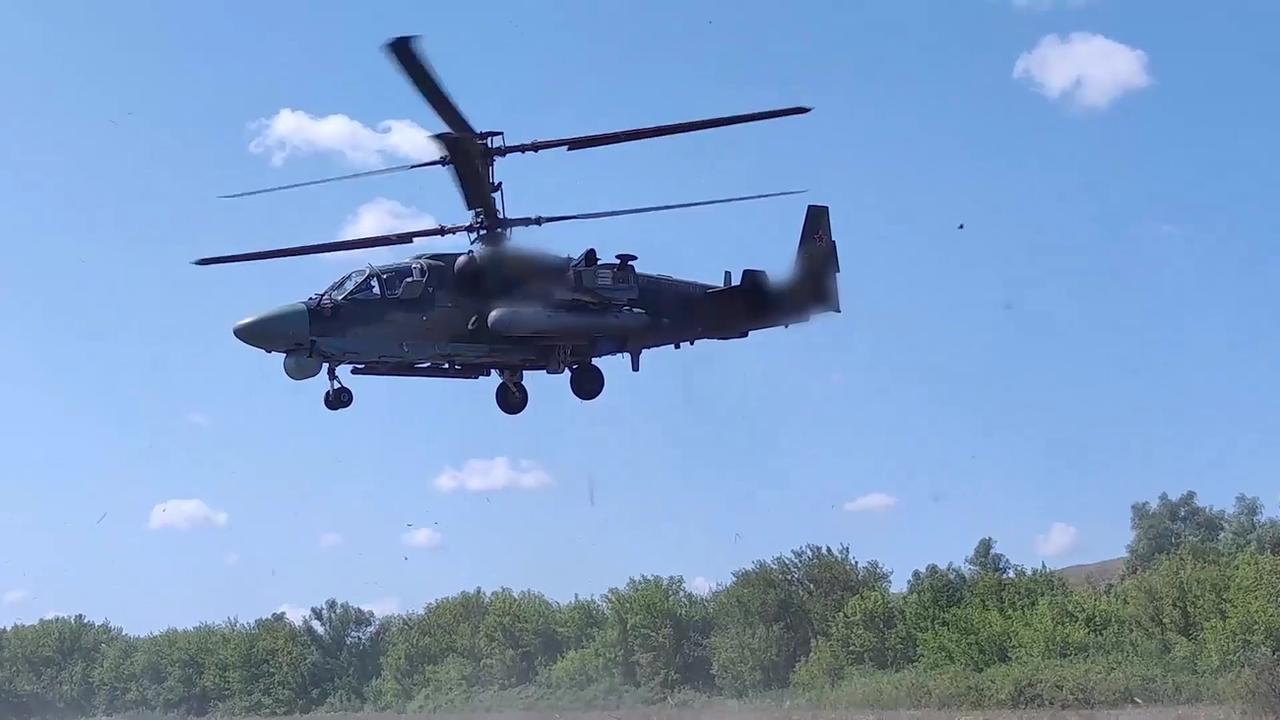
pixel 468 315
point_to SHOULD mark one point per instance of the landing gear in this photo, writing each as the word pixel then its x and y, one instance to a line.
pixel 586 381
pixel 338 396
pixel 512 399
pixel 512 396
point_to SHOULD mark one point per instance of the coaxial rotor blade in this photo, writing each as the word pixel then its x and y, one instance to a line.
pixel 373 241
pixel 582 142
pixel 419 73
pixel 544 219
pixel 351 176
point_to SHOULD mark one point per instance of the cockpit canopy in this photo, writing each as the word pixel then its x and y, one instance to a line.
pixel 405 279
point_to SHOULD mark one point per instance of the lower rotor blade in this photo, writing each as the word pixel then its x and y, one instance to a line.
pixel 542 220
pixel 363 243
pixel 351 176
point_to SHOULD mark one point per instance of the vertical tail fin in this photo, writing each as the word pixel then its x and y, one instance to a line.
pixel 817 261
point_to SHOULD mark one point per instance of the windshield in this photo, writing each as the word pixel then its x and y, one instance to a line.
pixel 343 286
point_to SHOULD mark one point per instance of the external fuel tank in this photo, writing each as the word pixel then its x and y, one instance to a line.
pixel 549 322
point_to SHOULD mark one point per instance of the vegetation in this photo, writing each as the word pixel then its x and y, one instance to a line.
pixel 1194 617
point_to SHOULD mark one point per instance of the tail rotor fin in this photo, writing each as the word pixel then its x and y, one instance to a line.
pixel 817 261
pixel 817 251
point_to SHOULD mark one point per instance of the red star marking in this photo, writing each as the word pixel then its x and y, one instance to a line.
pixel 820 238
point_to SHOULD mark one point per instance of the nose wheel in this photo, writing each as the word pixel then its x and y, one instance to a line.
pixel 512 396
pixel 338 396
pixel 586 381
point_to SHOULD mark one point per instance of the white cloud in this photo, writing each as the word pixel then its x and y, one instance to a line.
pixel 231 559
pixel 330 539
pixel 186 515
pixel 296 613
pixel 700 585
pixel 422 538
pixel 480 475
pixel 383 606
pixel 1085 69
pixel 1060 539
pixel 381 216
pixel 54 614
pixel 874 502
pixel 13 597
pixel 295 132
pixel 197 418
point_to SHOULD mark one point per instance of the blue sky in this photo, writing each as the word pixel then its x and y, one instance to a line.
pixel 1105 327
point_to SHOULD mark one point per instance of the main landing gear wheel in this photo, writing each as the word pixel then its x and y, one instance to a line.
pixel 586 381
pixel 512 398
pixel 339 398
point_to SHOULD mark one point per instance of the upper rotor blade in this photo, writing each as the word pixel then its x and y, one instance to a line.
pixel 542 220
pixel 582 142
pixel 372 241
pixel 420 75
pixel 351 176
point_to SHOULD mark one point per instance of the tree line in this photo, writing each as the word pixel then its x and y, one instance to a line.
pixel 1195 616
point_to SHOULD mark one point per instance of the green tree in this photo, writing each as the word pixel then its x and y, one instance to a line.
pixel 520 637
pixel 1168 526
pixel 871 631
pixel 659 632
pixel 1245 528
pixel 771 614
pixel 1251 620
pixel 581 623
pixel 984 560
pixel 49 667
pixel 346 646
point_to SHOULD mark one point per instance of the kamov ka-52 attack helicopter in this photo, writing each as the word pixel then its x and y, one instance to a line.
pixel 497 309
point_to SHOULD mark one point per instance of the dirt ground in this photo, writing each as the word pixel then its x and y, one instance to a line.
pixel 1136 713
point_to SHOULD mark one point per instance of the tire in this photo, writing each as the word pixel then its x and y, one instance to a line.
pixel 513 399
pixel 586 381
pixel 343 397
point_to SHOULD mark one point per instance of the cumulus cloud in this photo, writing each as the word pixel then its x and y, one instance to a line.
pixel 231 559
pixel 422 538
pixel 1084 69
pixel 295 132
pixel 186 515
pixel 872 502
pixel 330 539
pixel 1060 539
pixel 54 614
pixel 480 475
pixel 198 419
pixel 381 216
pixel 700 585
pixel 296 613
pixel 383 606
pixel 15 596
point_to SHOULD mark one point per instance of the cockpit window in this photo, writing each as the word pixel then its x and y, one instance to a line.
pixel 369 289
pixel 344 286
pixel 393 277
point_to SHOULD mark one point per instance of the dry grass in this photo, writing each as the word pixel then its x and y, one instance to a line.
pixel 727 713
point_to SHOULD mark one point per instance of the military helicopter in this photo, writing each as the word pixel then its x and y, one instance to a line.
pixel 498 309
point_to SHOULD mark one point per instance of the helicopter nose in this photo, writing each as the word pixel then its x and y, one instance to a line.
pixel 282 329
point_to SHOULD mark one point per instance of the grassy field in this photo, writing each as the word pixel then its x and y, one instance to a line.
pixel 728 713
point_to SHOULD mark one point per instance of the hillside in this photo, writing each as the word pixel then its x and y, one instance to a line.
pixel 1098 573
